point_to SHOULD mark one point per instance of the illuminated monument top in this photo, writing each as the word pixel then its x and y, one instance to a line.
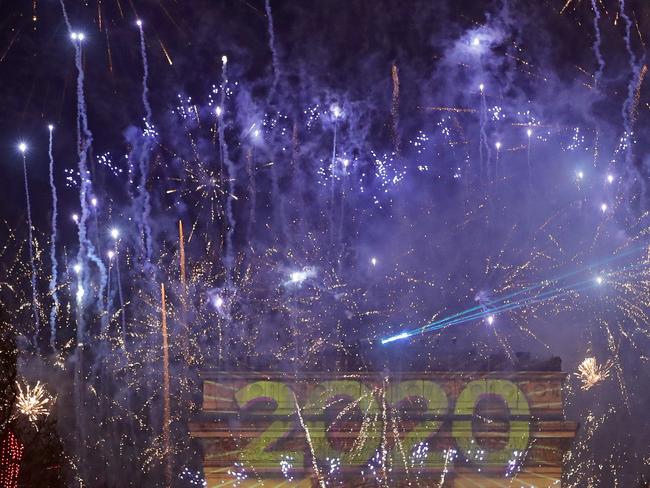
pixel 442 429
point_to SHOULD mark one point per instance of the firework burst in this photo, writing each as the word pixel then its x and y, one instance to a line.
pixel 33 402
pixel 591 373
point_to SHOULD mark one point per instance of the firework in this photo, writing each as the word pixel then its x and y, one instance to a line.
pixel 33 402
pixel 591 373
pixel 22 147
pixel 323 214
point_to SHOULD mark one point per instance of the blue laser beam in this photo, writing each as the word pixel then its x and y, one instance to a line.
pixel 464 317
pixel 506 302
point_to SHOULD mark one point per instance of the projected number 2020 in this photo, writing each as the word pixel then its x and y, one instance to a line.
pixel 423 404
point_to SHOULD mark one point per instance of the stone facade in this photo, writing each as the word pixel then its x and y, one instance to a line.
pixel 442 429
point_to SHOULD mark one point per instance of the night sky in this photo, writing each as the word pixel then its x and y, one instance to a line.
pixel 360 171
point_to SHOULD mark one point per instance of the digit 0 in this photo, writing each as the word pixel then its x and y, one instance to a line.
pixel 338 395
pixel 518 431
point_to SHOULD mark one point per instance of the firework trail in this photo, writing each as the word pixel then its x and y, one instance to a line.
pixel 628 104
pixel 183 277
pixel 85 253
pixel 181 243
pixel 37 319
pixel 86 248
pixel 274 53
pixel 108 287
pixel 145 76
pixel 166 404
pixel 496 163
pixel 278 199
pixel 342 216
pixel 484 148
pixel 54 272
pixel 336 113
pixel 394 111
pixel 225 159
pixel 116 259
pixel 295 154
pixel 65 17
pixel 303 424
pixel 597 43
pixel 144 197
pixel 384 428
pixel 121 297
pixel 529 133
pixel 252 190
